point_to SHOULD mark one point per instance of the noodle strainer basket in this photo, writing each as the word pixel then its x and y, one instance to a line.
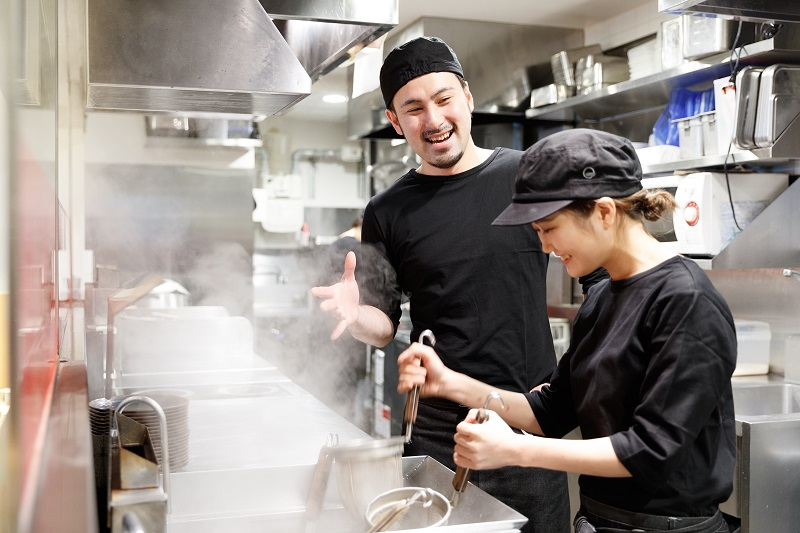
pixel 408 508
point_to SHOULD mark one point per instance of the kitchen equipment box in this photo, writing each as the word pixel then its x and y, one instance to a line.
pixel 752 356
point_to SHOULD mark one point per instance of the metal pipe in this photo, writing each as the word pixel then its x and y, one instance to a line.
pixel 162 425
pixel 313 156
pixel 791 273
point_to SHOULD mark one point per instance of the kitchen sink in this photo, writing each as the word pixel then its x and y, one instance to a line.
pixel 751 400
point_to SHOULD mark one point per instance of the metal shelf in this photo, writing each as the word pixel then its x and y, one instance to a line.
pixel 635 96
pixel 384 130
pixel 764 10
pixel 763 158
pixel 197 142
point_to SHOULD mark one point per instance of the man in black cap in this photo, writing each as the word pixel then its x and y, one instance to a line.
pixel 479 288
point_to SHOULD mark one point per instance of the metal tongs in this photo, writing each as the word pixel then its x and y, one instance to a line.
pixel 462 474
pixel 412 402
pixel 398 509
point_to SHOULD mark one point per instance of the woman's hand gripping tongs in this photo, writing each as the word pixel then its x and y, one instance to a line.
pixel 462 474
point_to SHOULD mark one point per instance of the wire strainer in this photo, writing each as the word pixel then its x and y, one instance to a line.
pixel 408 508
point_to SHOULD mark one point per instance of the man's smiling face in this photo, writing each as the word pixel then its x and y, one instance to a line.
pixel 434 114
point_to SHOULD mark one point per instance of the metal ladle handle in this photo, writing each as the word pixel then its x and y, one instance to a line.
pixel 462 473
pixel 412 402
pixel 319 482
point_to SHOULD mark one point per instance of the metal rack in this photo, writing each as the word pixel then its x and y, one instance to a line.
pixel 636 102
pixel 633 97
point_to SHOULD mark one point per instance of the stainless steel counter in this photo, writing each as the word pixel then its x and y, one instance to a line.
pixel 766 479
pixel 273 499
pixel 253 448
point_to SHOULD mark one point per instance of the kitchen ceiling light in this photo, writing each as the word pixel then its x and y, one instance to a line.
pixel 334 98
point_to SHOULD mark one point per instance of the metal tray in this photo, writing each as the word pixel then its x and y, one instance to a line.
pixel 777 103
pixel 747 86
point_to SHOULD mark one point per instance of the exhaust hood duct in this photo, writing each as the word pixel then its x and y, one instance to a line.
pixel 184 56
pixel 325 33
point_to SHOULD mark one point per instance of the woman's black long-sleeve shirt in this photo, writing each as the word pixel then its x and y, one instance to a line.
pixel 649 366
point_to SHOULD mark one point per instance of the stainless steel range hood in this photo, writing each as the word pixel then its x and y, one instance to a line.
pixel 325 33
pixel 219 57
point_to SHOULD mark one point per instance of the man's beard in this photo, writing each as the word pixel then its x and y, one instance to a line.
pixel 448 162
pixel 443 162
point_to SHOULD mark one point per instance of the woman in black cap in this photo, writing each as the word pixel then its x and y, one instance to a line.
pixel 647 374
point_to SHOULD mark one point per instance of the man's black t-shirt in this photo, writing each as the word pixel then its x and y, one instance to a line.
pixel 479 288
pixel 649 365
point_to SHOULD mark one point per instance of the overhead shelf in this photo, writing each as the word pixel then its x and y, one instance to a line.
pixel 196 142
pixel 384 130
pixel 763 10
pixel 636 96
pixel 763 158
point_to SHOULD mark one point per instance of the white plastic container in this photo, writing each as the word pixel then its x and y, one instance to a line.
pixel 690 137
pixel 657 155
pixel 672 43
pixel 753 339
pixel 708 123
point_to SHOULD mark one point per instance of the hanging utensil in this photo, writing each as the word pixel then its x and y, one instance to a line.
pixel 412 402
pixel 462 474
pixel 370 467
pixel 319 482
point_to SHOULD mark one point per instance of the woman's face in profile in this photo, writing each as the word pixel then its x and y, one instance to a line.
pixel 573 239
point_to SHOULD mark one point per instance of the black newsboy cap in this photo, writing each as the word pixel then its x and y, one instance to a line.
pixel 415 58
pixel 577 164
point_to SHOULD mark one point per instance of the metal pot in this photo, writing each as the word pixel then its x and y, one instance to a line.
pixel 367 468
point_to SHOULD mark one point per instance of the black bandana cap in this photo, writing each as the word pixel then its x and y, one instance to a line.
pixel 576 164
pixel 415 58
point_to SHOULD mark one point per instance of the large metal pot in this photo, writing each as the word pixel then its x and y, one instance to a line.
pixel 366 469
